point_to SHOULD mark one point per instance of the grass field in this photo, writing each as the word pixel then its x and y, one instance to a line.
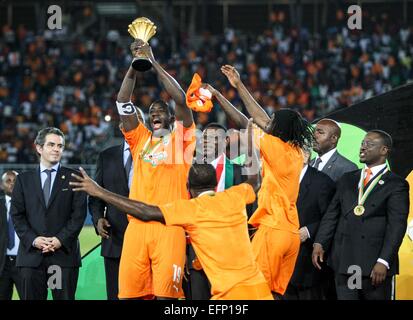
pixel 88 239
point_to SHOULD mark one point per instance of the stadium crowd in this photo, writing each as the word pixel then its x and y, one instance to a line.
pixel 47 80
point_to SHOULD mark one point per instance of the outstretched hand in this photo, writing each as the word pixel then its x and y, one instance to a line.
pixel 85 183
pixel 232 74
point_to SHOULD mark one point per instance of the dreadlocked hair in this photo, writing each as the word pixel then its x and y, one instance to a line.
pixel 291 127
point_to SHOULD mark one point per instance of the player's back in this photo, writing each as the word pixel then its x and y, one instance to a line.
pixel 221 241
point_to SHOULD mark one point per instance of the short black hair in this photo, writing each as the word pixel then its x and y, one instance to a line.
pixel 385 138
pixel 202 176
pixel 164 105
pixel 215 125
pixel 41 135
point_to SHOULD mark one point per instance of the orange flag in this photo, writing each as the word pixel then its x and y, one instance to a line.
pixel 197 98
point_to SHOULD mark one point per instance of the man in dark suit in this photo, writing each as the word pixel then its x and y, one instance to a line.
pixel 114 172
pixel 332 163
pixel 48 217
pixel 9 241
pixel 316 192
pixel 212 149
pixel 365 224
pixel 329 160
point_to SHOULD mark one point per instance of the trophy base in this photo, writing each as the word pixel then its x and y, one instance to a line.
pixel 141 64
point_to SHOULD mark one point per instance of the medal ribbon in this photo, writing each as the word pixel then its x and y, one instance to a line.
pixel 147 149
pixel 363 195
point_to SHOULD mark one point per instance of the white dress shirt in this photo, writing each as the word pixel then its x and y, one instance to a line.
pixel 324 158
pixel 126 153
pixel 303 171
pixel 374 171
pixel 12 251
pixel 43 174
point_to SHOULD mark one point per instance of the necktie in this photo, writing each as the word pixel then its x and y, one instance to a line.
pixel 128 166
pixel 317 163
pixel 368 176
pixel 10 242
pixel 47 185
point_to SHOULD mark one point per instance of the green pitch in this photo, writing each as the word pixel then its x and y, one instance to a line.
pixel 88 239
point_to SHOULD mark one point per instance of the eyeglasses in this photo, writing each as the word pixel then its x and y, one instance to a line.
pixel 367 144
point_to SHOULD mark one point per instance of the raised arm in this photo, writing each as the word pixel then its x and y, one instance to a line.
pixel 254 109
pixel 237 116
pixel 134 208
pixel 251 168
pixel 182 112
pixel 127 111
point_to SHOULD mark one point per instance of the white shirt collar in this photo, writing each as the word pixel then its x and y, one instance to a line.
pixel 376 169
pixel 325 157
pixel 8 198
pixel 55 167
pixel 208 192
pixel 303 171
pixel 125 146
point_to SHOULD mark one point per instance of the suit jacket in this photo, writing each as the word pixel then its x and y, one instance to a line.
pixel 316 192
pixel 3 232
pixel 378 233
pixel 336 166
pixel 63 218
pixel 111 175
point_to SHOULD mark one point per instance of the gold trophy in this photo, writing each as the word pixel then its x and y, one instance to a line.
pixel 142 28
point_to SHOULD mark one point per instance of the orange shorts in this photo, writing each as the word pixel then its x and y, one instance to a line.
pixel 276 252
pixel 152 261
pixel 248 292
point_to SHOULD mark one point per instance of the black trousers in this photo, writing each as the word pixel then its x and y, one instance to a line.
pixel 303 293
pixel 199 286
pixel 112 277
pixel 367 291
pixel 62 281
pixel 328 283
pixel 10 276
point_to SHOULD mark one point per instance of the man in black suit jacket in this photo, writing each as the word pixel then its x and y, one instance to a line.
pixel 332 163
pixel 9 242
pixel 365 224
pixel 316 192
pixel 48 217
pixel 113 171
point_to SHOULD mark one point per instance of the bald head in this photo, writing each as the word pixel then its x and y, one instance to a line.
pixel 8 180
pixel 327 133
pixel 333 125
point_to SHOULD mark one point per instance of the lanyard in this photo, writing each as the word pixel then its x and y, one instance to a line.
pixel 362 196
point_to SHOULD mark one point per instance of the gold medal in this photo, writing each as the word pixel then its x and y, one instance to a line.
pixel 359 210
pixel 196 264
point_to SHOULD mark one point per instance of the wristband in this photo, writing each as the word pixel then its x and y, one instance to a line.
pixel 125 108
